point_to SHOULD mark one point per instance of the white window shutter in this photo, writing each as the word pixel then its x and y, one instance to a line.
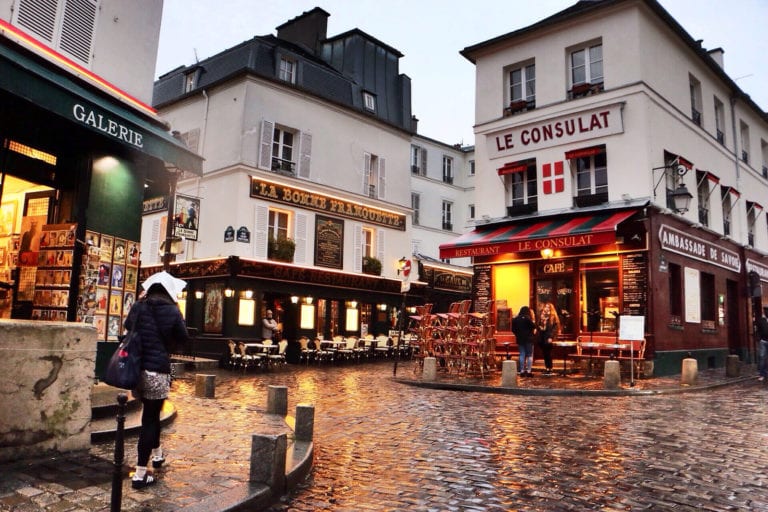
pixel 260 233
pixel 423 162
pixel 305 150
pixel 77 28
pixel 300 237
pixel 265 146
pixel 382 180
pixel 366 174
pixel 154 245
pixel 380 245
pixel 357 241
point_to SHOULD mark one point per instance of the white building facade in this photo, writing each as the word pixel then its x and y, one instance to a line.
pixel 594 120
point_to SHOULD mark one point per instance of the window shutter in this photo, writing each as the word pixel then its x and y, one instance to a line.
pixel 265 147
pixel 423 162
pixel 154 244
pixel 300 237
pixel 260 233
pixel 357 242
pixel 38 16
pixel 366 174
pixel 382 180
pixel 380 245
pixel 77 28
pixel 305 149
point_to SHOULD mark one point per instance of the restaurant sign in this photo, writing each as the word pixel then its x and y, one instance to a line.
pixel 761 270
pixel 585 125
pixel 677 241
pixel 279 193
pixel 536 244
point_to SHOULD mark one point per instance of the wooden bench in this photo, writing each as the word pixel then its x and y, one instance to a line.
pixel 597 352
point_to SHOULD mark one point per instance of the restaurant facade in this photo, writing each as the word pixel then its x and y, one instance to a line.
pixel 628 188
pixel 75 154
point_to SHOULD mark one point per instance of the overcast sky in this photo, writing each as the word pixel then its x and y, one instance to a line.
pixel 430 34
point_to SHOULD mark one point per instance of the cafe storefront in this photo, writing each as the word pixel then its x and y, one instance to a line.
pixel 602 263
pixel 75 154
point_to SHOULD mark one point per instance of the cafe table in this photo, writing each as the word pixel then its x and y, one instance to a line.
pixel 567 345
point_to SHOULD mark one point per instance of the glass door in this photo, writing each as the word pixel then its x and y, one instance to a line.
pixel 558 292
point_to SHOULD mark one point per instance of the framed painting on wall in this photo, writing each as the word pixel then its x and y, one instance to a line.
pixel 7 218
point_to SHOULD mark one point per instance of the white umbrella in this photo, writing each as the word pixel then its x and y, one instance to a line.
pixel 172 285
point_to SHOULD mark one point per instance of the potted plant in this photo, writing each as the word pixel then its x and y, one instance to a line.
pixel 371 266
pixel 281 249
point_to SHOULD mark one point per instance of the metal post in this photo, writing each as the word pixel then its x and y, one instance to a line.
pixel 170 227
pixel 400 340
pixel 117 471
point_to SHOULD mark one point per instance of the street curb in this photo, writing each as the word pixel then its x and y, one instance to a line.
pixel 498 390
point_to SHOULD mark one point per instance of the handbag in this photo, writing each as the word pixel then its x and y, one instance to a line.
pixel 124 368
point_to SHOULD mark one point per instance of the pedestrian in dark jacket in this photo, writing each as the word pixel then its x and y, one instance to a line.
pixel 524 329
pixel 162 331
pixel 762 354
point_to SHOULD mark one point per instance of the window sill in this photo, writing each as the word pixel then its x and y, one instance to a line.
pixel 675 327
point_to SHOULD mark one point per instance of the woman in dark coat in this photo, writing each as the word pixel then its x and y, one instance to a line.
pixel 163 331
pixel 524 329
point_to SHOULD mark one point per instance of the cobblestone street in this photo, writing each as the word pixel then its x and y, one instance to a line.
pixel 381 446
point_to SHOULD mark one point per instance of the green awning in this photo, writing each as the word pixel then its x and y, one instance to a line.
pixel 56 91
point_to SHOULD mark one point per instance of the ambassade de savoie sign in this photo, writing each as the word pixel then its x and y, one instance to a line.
pixel 680 242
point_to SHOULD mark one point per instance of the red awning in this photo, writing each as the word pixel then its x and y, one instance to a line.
pixel 584 152
pixel 537 234
pixel 513 167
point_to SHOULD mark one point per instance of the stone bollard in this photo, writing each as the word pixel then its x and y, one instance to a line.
pixel 205 386
pixel 430 369
pixel 305 422
pixel 268 461
pixel 732 367
pixel 277 400
pixel 509 374
pixel 612 375
pixel 690 372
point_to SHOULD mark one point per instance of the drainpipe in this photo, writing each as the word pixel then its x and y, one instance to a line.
pixel 201 151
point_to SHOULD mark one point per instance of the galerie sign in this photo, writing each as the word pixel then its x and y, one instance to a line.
pixel 585 125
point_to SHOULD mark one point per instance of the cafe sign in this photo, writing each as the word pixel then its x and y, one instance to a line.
pixel 679 242
pixel 578 127
pixel 279 193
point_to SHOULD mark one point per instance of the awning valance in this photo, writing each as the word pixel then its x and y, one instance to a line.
pixel 536 234
pixel 64 95
pixel 514 167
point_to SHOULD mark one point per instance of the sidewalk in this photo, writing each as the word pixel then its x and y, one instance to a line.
pixel 208 445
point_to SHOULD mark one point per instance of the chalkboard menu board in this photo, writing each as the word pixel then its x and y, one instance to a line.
pixel 482 288
pixel 634 274
pixel 329 242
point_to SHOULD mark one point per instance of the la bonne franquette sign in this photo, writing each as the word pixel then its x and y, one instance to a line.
pixel 585 125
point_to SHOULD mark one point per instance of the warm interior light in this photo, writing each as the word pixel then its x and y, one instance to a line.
pixel 308 300
pixel 547 253
pixel 382 307
pixel 294 299
pixel 229 292
pixel 248 294
pixel 198 294
pixel 353 304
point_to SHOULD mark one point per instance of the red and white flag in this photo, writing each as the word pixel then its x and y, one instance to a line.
pixel 553 181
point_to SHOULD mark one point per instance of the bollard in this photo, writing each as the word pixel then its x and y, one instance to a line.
pixel 268 461
pixel 612 375
pixel 117 470
pixel 205 385
pixel 509 374
pixel 690 372
pixel 277 400
pixel 305 422
pixel 732 367
pixel 430 369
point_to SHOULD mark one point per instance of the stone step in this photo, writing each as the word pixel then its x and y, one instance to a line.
pixel 104 413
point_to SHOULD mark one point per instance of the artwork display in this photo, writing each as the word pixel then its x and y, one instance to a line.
pixel 55 246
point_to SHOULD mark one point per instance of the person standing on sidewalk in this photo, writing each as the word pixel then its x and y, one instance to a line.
pixel 524 329
pixel 268 326
pixel 549 328
pixel 163 331
pixel 762 353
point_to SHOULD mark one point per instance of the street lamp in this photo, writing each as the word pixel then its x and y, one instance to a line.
pixel 681 197
pixel 404 270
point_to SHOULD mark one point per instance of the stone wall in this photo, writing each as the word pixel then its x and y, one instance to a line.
pixel 46 377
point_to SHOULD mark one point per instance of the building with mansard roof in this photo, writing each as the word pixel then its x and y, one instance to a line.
pixel 623 174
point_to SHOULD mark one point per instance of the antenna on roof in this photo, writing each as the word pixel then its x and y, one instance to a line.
pixel 197 61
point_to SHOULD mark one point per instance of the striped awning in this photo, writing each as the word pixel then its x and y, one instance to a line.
pixel 537 234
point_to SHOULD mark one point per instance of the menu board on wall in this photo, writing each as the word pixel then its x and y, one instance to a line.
pixel 634 276
pixel 482 288
pixel 329 242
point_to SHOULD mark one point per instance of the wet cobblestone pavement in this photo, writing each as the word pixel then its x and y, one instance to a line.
pixel 384 445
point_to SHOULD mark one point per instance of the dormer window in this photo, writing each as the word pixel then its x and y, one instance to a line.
pixel 190 81
pixel 369 101
pixel 287 72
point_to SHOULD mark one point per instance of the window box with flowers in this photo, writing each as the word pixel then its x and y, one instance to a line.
pixel 371 266
pixel 281 249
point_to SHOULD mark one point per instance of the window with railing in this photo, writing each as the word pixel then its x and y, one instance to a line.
pixel 283 151
pixel 703 192
pixel 447 215
pixel 695 90
pixel 727 207
pixel 590 168
pixel 374 177
pixel 447 170
pixel 744 130
pixel 520 184
pixel 719 121
pixel 586 70
pixel 418 160
pixel 522 89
